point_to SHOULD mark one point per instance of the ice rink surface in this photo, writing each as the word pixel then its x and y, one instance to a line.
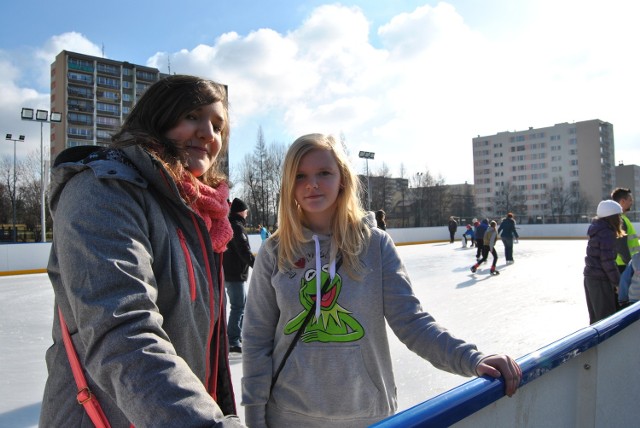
pixel 533 302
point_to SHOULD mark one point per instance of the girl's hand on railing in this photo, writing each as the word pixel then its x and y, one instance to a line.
pixel 501 365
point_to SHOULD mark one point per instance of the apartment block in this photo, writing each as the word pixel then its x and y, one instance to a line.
pixel 572 159
pixel 629 176
pixel 95 95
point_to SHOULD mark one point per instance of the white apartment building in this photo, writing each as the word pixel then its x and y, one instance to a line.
pixel 578 157
pixel 94 95
pixel 629 176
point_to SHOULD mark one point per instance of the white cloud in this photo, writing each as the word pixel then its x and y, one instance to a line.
pixel 71 41
pixel 15 68
pixel 433 85
pixel 429 83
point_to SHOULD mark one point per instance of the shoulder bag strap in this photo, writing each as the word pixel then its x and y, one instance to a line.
pixel 84 397
pixel 296 338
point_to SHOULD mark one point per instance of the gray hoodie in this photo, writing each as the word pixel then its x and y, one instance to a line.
pixel 340 373
pixel 138 287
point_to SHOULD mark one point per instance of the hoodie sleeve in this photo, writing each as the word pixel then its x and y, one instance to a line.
pixel 416 328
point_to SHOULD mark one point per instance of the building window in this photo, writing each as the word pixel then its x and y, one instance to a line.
pixel 108 69
pixel 80 77
pixel 80 118
pixel 108 108
pixel 78 91
pixel 100 133
pixel 80 132
pixel 109 82
pixel 80 64
pixel 111 121
pixel 145 75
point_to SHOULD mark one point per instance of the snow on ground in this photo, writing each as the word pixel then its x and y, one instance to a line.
pixel 535 301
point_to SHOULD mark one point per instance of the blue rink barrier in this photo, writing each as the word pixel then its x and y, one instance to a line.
pixel 460 404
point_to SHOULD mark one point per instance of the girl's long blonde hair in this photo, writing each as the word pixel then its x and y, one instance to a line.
pixel 349 234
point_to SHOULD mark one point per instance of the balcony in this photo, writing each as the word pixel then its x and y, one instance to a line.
pixel 79 92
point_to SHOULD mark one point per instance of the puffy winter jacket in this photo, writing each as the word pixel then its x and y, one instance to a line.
pixel 600 261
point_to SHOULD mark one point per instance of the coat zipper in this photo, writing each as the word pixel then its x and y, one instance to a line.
pixel 189 263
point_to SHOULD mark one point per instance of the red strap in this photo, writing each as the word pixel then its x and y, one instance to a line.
pixel 84 397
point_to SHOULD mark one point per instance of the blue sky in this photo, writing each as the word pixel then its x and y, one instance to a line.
pixel 412 81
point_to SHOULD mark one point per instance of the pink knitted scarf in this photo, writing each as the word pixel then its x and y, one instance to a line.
pixel 211 204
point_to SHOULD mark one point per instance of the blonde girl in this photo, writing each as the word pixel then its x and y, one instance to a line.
pixel 315 346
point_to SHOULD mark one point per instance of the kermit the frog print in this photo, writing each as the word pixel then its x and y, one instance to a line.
pixel 335 323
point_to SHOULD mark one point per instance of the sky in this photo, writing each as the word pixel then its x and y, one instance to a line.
pixel 411 81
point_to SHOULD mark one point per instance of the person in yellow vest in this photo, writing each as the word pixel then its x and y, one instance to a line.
pixel 628 245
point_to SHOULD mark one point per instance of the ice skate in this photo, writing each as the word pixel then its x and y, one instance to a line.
pixel 474 268
pixel 493 271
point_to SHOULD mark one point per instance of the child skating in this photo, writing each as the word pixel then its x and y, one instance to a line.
pixel 489 243
pixel 467 236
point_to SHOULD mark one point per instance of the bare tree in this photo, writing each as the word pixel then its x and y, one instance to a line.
pixel 275 161
pixel 383 188
pixel 566 204
pixel 559 199
pixel 9 178
pixel 509 199
pixel 579 205
pixel 260 175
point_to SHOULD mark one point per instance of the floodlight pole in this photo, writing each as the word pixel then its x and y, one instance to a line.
pixel 366 156
pixel 43 117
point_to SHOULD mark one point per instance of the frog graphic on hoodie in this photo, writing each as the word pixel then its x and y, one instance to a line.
pixel 335 323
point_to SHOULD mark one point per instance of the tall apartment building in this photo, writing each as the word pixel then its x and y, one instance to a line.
pixel 576 157
pixel 629 176
pixel 95 95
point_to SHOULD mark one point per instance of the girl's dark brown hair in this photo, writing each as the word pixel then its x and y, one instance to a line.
pixel 615 221
pixel 160 109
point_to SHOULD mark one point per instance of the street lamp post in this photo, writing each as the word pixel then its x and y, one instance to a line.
pixel 43 117
pixel 419 185
pixel 13 196
pixel 367 156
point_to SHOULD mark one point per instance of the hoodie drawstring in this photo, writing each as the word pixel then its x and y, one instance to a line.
pixel 332 274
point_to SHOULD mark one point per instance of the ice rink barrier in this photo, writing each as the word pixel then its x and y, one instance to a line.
pixel 33 257
pixel 588 379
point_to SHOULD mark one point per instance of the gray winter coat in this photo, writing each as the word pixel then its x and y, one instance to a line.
pixel 138 283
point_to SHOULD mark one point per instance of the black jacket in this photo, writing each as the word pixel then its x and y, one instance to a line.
pixel 238 256
pixel 600 261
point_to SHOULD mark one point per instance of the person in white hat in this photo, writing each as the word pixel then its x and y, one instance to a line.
pixel 601 275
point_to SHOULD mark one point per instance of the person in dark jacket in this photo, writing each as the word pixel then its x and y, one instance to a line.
pixel 237 260
pixel 139 229
pixel 508 233
pixel 601 275
pixel 381 219
pixel 479 236
pixel 453 226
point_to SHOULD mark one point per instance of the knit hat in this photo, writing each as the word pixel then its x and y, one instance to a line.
pixel 238 206
pixel 608 208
